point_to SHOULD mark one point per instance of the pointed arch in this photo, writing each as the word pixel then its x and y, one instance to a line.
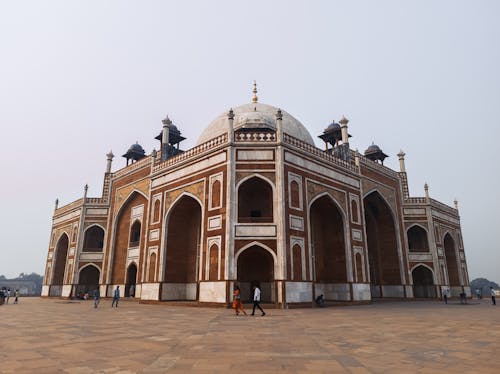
pixel 384 250
pixel 450 253
pixel 417 237
pixel 60 259
pixel 118 252
pixel 255 266
pixel 93 238
pixel 255 196
pixel 328 240
pixel 423 281
pixel 88 278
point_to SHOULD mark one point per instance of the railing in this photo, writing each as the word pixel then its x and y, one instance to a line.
pixel 202 148
pixel 136 165
pixel 415 200
pixel 255 219
pixel 379 167
pixel 95 200
pixel 444 207
pixel 288 139
pixel 255 137
pixel 68 207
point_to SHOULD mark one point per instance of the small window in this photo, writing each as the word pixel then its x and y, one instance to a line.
pixel 135 234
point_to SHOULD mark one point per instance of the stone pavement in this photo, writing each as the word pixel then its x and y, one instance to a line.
pixel 58 336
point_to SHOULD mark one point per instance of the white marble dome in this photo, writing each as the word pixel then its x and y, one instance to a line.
pixel 255 115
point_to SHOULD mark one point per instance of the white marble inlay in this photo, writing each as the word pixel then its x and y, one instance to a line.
pixel 357 235
pixel 296 223
pixel 420 257
pixel 256 230
pixel 137 211
pixel 97 211
pixel 260 155
pixel 133 253
pixel 321 169
pixel 191 169
pixel 214 222
pixel 414 211
pixel 445 217
pixel 66 217
pixel 154 234
pixel 91 256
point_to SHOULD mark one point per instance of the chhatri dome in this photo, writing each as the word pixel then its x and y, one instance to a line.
pixel 255 115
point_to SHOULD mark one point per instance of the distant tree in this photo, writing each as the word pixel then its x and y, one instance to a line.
pixel 2 277
pixel 484 285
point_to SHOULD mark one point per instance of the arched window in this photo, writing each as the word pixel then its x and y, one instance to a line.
pixel 294 194
pixel 359 268
pixel 354 211
pixel 152 267
pixel 156 211
pixel 73 235
pixel 417 239
pixel 216 189
pixel 297 262
pixel 214 263
pixel 255 201
pixel 94 239
pixel 135 234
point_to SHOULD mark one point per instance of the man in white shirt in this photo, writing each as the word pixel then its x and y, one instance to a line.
pixel 256 301
pixel 493 294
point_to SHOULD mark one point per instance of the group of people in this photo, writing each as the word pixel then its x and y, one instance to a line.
pixel 6 293
pixel 238 304
pixel 463 296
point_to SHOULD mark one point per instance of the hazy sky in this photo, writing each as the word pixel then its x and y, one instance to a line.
pixel 80 78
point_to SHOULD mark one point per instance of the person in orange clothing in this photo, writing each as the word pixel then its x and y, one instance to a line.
pixel 237 304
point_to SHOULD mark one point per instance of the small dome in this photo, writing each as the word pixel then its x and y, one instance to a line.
pixel 136 148
pixel 253 116
pixel 372 149
pixel 332 127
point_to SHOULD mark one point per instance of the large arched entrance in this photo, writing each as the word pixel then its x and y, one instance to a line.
pixel 60 254
pixel 88 280
pixel 129 232
pixel 182 250
pixel 256 267
pixel 327 234
pixel 382 248
pixel 451 260
pixel 131 280
pixel 423 282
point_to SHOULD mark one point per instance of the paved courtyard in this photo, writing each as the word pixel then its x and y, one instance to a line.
pixel 51 335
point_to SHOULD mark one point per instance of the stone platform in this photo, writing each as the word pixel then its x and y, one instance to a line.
pixel 59 336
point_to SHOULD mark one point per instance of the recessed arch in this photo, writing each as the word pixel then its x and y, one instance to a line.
pixel 423 281
pixel 120 238
pixel 60 258
pixel 182 234
pixel 327 222
pixel 131 279
pixel 255 266
pixel 255 196
pixel 88 279
pixel 93 238
pixel 251 244
pixel 417 238
pixel 382 242
pixel 451 259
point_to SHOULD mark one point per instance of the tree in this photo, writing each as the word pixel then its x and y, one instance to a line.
pixel 484 285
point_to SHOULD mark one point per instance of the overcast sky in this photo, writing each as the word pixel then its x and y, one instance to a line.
pixel 80 78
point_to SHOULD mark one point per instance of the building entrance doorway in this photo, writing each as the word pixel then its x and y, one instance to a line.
pixel 256 268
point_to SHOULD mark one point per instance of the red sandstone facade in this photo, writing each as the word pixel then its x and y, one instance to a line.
pixel 257 203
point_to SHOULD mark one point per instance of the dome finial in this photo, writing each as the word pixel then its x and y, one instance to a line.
pixel 255 98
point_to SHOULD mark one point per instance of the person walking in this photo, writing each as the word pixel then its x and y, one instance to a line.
pixel 97 297
pixel 237 304
pixel 445 295
pixel 256 301
pixel 16 294
pixel 116 297
pixel 493 294
pixel 8 296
